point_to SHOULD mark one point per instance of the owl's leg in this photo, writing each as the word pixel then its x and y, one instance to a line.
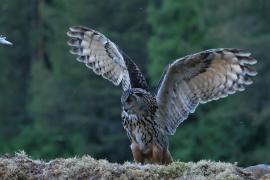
pixel 167 158
pixel 137 154
pixel 161 155
pixel 157 154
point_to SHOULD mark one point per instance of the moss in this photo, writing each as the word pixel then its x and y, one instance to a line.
pixel 20 166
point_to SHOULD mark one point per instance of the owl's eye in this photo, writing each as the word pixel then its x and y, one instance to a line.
pixel 139 94
pixel 129 99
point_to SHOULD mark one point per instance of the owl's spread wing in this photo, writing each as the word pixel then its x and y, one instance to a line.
pixel 104 58
pixel 200 78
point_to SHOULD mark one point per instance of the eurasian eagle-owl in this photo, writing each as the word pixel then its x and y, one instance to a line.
pixel 149 118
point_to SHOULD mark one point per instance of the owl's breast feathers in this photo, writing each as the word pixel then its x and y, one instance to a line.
pixel 142 130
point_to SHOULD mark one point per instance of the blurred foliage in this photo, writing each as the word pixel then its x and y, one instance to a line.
pixel 52 106
pixel 232 129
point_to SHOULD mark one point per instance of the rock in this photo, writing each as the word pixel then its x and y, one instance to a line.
pixel 259 171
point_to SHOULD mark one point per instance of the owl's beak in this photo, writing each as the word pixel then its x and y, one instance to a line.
pixel 125 109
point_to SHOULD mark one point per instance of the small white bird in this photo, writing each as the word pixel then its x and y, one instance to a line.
pixel 4 41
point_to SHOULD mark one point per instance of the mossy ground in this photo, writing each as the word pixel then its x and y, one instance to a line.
pixel 20 166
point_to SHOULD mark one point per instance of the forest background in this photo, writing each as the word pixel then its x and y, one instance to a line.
pixel 52 106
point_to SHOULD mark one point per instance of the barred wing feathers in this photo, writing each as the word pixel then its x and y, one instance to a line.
pixel 103 57
pixel 200 78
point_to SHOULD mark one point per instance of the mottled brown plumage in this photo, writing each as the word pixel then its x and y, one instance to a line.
pixel 149 118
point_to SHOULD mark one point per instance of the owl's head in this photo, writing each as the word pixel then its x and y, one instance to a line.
pixel 136 100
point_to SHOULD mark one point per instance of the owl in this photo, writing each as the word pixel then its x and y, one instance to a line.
pixel 149 118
